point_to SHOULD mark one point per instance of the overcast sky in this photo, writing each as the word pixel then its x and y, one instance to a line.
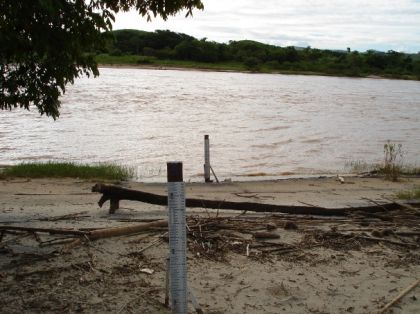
pixel 334 24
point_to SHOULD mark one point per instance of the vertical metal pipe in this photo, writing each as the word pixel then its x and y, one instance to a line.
pixel 167 284
pixel 206 159
pixel 177 238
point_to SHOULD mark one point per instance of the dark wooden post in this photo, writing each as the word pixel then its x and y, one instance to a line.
pixel 207 159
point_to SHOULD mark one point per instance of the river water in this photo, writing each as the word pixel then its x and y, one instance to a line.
pixel 259 124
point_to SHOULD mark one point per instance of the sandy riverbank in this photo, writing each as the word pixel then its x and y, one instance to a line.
pixel 167 67
pixel 332 270
pixel 203 69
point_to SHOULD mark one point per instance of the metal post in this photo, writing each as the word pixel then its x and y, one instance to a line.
pixel 167 284
pixel 177 238
pixel 206 159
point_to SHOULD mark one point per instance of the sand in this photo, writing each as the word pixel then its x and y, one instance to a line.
pixel 333 276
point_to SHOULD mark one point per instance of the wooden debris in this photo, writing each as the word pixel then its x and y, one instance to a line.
pixel 115 193
pixel 119 231
pixel 382 233
pixel 271 226
pixel 289 225
pixel 403 205
pixel 45 230
pixel 408 233
pixel 309 204
pixel 387 241
pixel 266 235
pixel 156 242
pixel 213 237
pixel 56 242
pixel 399 296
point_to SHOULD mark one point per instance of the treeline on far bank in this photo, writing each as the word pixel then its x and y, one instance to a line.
pixel 164 47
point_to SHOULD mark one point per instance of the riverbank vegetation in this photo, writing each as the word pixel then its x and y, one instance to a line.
pixel 68 170
pixel 407 195
pixel 392 167
pixel 166 48
pixel 389 172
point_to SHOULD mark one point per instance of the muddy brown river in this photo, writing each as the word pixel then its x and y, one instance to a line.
pixel 259 124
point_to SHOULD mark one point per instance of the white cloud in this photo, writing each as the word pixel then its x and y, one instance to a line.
pixel 377 24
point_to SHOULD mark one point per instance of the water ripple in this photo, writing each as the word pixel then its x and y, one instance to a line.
pixel 268 124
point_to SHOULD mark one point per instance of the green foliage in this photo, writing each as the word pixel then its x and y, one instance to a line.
pixel 132 41
pixel 360 166
pixel 133 60
pixel 413 170
pixel 46 44
pixel 68 169
pixel 392 161
pixel 412 194
pixel 126 59
pixel 260 57
pixel 252 63
pixel 392 167
pixel 144 60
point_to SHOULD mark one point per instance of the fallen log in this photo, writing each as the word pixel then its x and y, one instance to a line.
pixel 376 239
pixel 399 296
pixel 127 230
pixel 94 234
pixel 115 193
pixel 265 235
pixel 45 230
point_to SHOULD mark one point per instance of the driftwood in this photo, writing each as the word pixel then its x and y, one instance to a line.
pixel 265 235
pixel 118 231
pixel 45 230
pixel 387 241
pixel 399 296
pixel 214 237
pixel 94 234
pixel 69 246
pixel 115 193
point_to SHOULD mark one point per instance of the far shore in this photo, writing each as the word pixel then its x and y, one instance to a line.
pixel 202 69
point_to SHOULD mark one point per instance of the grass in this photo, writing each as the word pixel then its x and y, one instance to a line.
pixel 219 66
pixel 415 193
pixel 152 61
pixel 391 168
pixel 68 170
pixel 410 170
pixel 126 59
pixel 106 59
pixel 361 167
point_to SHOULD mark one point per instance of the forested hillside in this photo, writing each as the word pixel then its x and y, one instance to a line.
pixel 164 47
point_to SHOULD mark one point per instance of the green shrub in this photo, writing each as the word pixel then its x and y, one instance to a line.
pixel 115 52
pixel 252 63
pixel 393 155
pixel 144 60
pixel 409 194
